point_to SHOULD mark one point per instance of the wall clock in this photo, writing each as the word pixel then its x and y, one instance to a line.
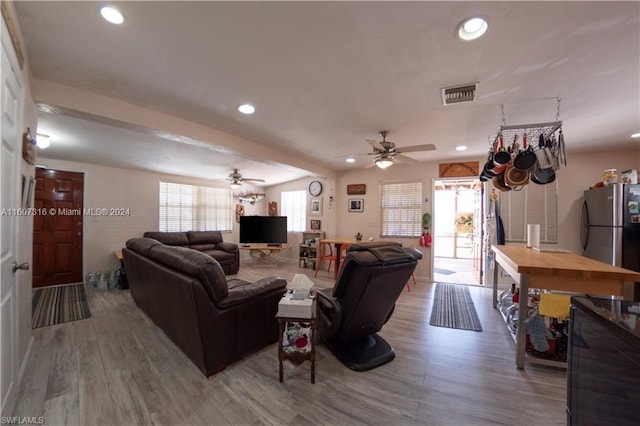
pixel 315 188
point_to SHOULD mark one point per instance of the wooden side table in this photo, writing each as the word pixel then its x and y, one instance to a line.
pixel 296 355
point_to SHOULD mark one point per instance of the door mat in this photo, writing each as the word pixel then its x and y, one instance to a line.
pixel 443 271
pixel 453 308
pixel 59 304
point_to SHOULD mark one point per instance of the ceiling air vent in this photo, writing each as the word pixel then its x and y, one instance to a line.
pixel 459 94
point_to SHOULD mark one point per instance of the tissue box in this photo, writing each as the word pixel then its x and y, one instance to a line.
pixel 290 308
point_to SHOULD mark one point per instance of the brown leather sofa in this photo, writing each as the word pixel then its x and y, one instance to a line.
pixel 209 242
pixel 213 320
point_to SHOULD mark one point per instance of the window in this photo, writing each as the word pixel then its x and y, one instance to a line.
pixel 294 207
pixel 533 204
pixel 401 209
pixel 195 208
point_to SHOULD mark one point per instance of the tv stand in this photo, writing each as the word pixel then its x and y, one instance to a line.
pixel 264 254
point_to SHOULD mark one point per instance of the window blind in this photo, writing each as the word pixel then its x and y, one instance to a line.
pixel 534 204
pixel 194 208
pixel 401 209
pixel 294 206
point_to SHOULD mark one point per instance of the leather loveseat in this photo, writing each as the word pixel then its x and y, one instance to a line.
pixel 209 242
pixel 213 320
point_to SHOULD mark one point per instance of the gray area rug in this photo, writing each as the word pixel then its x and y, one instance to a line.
pixel 55 305
pixel 453 308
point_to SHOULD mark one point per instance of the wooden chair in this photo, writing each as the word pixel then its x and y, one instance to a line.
pixel 412 275
pixel 323 256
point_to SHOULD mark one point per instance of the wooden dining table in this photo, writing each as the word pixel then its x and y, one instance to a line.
pixel 337 243
pixel 560 271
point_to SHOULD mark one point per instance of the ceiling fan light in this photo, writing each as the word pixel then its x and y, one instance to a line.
pixel 350 160
pixel 234 185
pixel 384 163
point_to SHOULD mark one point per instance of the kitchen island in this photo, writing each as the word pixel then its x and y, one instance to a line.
pixel 556 271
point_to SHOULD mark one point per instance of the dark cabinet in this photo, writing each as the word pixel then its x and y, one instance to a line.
pixel 603 376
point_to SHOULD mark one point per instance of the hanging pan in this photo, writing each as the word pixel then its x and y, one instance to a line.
pixel 516 178
pixel 499 183
pixel 501 157
pixel 526 157
pixel 543 176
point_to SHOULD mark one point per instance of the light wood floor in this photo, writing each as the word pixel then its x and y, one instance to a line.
pixel 117 368
pixel 454 271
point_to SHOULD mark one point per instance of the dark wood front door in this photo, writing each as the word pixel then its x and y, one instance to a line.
pixel 57 227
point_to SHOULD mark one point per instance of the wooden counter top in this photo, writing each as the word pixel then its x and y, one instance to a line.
pixel 568 265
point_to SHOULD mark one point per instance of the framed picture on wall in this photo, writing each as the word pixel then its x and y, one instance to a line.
pixel 316 206
pixel 357 189
pixel 356 205
pixel 315 225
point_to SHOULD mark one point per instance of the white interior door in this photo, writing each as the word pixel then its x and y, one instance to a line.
pixel 10 157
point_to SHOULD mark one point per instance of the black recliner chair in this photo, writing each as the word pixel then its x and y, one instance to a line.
pixel 362 300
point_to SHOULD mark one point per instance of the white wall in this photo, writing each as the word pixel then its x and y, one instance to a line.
pixel 368 222
pixel 327 218
pixel 138 191
pixel 108 187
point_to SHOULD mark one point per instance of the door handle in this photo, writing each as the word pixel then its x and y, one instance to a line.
pixel 15 266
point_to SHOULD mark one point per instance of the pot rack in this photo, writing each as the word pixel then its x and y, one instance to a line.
pixel 532 130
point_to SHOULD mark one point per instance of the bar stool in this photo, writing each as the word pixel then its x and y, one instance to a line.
pixel 330 257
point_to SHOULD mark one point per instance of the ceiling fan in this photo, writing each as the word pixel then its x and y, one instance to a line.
pixel 386 152
pixel 235 179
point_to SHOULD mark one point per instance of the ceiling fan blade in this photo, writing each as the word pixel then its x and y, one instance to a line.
pixel 375 144
pixel 416 148
pixel 252 180
pixel 404 159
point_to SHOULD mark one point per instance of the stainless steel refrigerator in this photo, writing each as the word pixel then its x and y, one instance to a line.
pixel 611 226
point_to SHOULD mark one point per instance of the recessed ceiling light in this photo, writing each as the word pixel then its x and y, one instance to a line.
pixel 350 160
pixel 472 28
pixel 635 135
pixel 111 15
pixel 247 109
pixel 461 148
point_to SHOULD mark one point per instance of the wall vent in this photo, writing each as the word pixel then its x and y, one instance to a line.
pixel 459 94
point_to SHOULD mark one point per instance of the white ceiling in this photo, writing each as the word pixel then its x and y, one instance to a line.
pixel 326 75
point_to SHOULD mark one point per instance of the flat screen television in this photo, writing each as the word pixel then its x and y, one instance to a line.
pixel 269 230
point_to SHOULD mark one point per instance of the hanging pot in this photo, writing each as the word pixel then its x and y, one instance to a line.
pixel 543 176
pixel 499 183
pixel 526 157
pixel 487 169
pixel 515 177
pixel 485 176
